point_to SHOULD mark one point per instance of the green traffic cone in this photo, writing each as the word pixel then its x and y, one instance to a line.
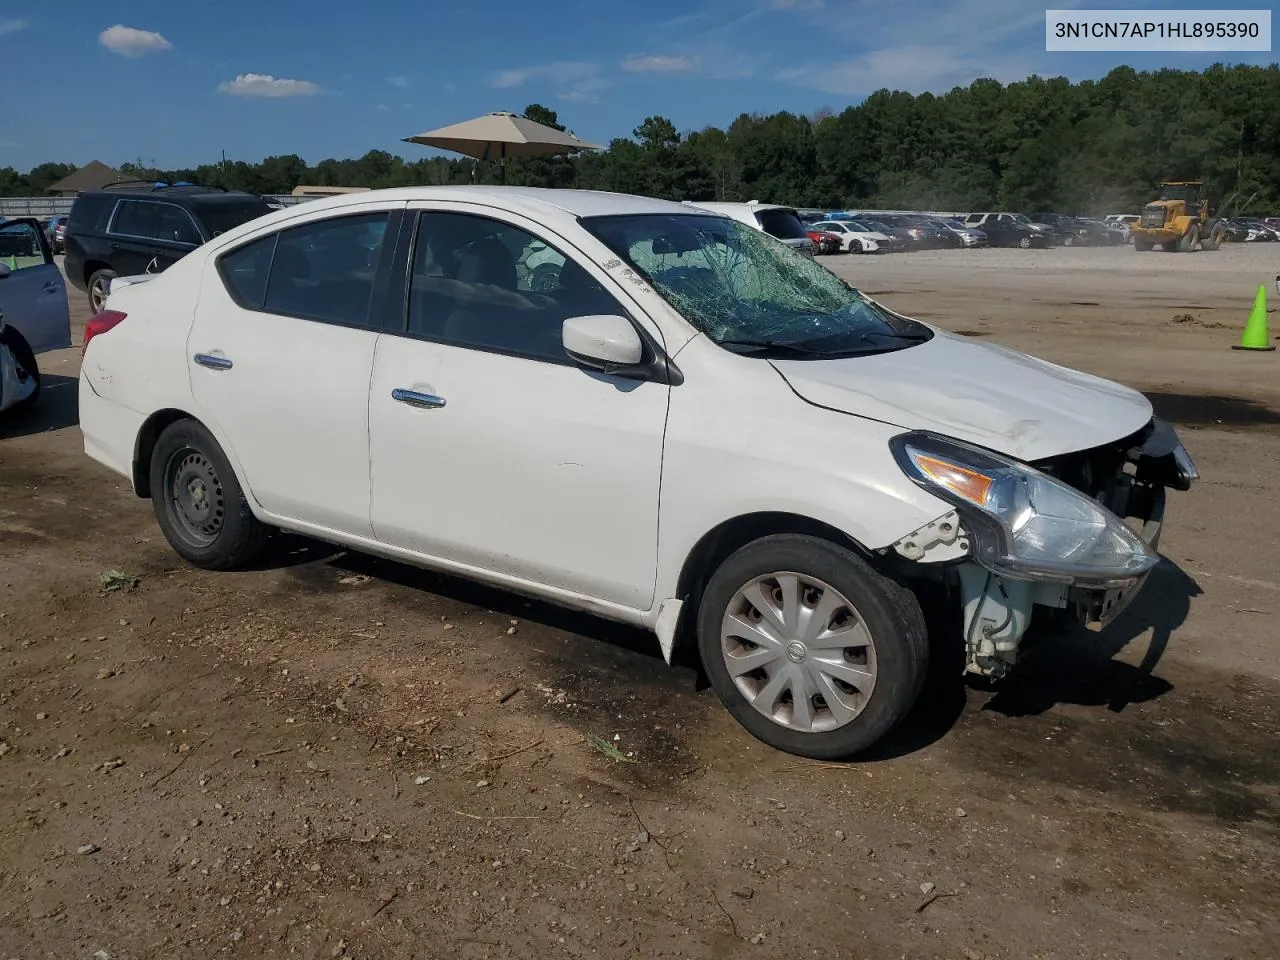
pixel 1255 330
pixel 13 262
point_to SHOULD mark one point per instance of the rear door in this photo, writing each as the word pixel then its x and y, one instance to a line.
pixel 280 353
pixel 149 235
pixel 33 297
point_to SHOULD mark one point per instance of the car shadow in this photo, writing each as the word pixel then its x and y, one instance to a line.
pixel 1057 665
pixel 1060 665
pixel 1078 666
pixel 57 407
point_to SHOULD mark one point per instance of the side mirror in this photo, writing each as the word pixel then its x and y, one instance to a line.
pixel 5 271
pixel 602 342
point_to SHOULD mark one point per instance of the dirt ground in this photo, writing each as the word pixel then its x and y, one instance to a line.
pixel 337 756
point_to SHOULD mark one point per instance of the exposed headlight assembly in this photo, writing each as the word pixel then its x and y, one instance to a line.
pixel 1024 524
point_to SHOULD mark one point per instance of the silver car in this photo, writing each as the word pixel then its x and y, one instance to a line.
pixel 34 316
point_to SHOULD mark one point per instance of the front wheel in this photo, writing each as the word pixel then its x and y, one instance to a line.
pixel 809 648
pixel 199 503
pixel 24 367
pixel 1024 242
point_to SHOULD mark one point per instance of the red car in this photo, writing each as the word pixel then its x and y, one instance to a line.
pixel 824 242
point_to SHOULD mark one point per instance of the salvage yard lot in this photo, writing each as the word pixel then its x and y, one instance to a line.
pixel 334 755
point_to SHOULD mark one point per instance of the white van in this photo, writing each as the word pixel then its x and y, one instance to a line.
pixel 777 221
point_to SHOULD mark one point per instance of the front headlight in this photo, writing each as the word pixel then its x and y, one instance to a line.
pixel 1023 523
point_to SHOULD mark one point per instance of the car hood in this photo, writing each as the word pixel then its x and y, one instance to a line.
pixel 985 394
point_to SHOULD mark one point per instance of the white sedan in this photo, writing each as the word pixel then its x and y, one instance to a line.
pixel 855 237
pixel 691 427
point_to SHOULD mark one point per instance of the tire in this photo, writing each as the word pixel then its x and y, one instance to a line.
pixel 892 663
pixel 1025 242
pixel 26 360
pixel 217 530
pixel 1217 237
pixel 1068 241
pixel 1190 240
pixel 97 286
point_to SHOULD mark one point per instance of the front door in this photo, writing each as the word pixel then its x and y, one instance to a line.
pixel 33 297
pixel 280 353
pixel 489 448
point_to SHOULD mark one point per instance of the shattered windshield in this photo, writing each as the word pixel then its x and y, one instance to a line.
pixel 748 292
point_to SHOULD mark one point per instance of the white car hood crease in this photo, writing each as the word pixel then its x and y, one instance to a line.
pixel 988 395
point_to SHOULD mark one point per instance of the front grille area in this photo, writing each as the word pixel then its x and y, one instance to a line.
pixel 1153 217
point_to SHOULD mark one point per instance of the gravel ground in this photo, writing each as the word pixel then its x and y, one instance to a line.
pixel 335 756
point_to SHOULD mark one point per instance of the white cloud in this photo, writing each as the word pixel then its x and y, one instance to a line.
pixel 383 107
pixel 656 63
pixel 12 26
pixel 131 42
pixel 559 73
pixel 932 45
pixel 265 85
pixel 402 82
pixel 586 90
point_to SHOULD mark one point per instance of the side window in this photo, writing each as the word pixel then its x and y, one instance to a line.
pixel 175 226
pixel 245 270
pixel 20 246
pixel 136 218
pixel 325 270
pixel 489 285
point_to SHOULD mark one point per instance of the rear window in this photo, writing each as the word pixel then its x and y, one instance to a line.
pixel 783 224
pixel 219 216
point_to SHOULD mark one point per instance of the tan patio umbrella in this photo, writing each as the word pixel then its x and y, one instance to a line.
pixel 501 136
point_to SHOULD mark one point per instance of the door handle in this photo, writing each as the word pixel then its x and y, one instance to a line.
pixel 425 401
pixel 212 362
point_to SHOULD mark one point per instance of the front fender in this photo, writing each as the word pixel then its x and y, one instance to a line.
pixel 747 444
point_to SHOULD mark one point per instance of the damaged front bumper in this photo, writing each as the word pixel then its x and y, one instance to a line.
pixel 1130 478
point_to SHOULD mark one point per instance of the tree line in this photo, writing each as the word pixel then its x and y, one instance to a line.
pixel 1093 147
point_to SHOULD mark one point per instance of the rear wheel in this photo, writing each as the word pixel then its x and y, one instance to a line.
pixel 1190 239
pixel 99 287
pixel 809 648
pixel 199 503
pixel 1216 238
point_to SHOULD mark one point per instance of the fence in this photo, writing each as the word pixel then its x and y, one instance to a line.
pixel 45 207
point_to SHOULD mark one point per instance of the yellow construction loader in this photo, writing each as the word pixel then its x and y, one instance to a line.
pixel 1178 220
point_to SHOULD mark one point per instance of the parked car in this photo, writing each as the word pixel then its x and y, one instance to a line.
pixel 1069 231
pixel 685 368
pixel 981 220
pixel 825 242
pixel 777 221
pixel 856 237
pixel 967 237
pixel 55 230
pixel 34 317
pixel 1112 233
pixel 899 238
pixel 140 227
pixel 1013 233
pixel 1125 220
pixel 1248 230
pixel 915 232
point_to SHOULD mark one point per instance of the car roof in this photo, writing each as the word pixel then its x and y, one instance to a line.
pixel 576 203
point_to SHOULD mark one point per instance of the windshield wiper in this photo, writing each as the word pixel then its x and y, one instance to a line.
pixel 764 346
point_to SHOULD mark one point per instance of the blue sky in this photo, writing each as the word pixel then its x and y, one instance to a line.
pixel 177 83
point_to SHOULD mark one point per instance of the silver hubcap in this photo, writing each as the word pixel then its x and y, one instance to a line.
pixel 798 651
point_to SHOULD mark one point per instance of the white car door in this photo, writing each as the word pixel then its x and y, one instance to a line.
pixel 33 297
pixel 490 450
pixel 280 353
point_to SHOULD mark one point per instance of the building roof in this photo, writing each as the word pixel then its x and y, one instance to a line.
pixel 92 176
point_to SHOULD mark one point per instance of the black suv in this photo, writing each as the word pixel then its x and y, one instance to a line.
pixel 136 227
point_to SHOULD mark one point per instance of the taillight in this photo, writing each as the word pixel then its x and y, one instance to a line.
pixel 100 323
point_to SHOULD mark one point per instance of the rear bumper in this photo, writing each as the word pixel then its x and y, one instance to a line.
pixel 110 430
